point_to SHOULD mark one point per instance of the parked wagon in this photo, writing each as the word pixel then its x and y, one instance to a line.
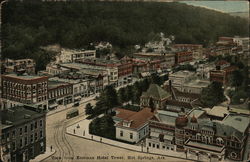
pixel 72 113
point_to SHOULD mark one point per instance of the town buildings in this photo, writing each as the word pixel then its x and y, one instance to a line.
pixel 59 93
pixel 222 72
pixel 24 89
pixel 156 95
pixel 19 66
pixel 132 126
pixel 183 57
pixel 23 135
pixel 197 135
pixel 196 49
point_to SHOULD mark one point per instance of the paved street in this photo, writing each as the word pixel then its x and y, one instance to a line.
pixel 55 131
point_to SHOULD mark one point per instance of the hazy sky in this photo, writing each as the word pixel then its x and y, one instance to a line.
pixel 224 6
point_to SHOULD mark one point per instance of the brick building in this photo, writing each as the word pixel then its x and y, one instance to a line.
pixel 222 72
pixel 23 133
pixel 182 57
pixel 24 89
pixel 197 49
pixel 59 93
pixel 19 66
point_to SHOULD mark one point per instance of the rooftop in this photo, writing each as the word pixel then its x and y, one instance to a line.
pixel 182 73
pixel 138 119
pixel 156 92
pixel 238 122
pixel 218 111
pixel 24 77
pixel 20 114
pixel 54 84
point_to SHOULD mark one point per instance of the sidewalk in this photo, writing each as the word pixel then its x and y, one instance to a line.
pixel 64 107
pixel 83 132
pixel 44 156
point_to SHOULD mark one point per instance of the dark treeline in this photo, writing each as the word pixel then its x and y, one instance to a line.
pixel 29 25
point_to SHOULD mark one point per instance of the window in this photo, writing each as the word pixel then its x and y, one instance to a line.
pixel 13 133
pixel 31 138
pixel 41 123
pixel 20 131
pixel 121 133
pixel 131 135
pixel 31 126
pixel 25 141
pixel 153 145
pixel 36 136
pixel 157 146
pixel 35 124
pixel 21 143
pixel 25 128
pixel 13 145
pixel 41 134
pixel 149 144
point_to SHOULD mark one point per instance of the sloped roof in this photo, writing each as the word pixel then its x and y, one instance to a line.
pixel 156 92
pixel 137 119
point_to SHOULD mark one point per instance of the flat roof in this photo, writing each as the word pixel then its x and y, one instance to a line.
pixel 218 149
pixel 54 83
pixel 25 77
pixel 20 114
pixel 218 111
pixel 238 122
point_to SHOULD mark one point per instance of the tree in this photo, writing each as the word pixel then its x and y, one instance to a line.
pixel 236 78
pixel 129 93
pixel 212 95
pixel 122 95
pixel 238 95
pixel 103 126
pixel 156 79
pixel 151 104
pixel 89 109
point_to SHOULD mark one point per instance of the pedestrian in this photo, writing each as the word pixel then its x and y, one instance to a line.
pixel 51 148
pixel 84 133
pixel 101 140
pixel 78 126
pixel 92 137
pixel 74 131
pixel 147 149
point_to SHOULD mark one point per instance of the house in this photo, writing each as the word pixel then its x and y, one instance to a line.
pixel 23 133
pixel 132 126
pixel 155 94
pixel 24 89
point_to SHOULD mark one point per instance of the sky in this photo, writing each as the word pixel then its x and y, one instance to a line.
pixel 223 6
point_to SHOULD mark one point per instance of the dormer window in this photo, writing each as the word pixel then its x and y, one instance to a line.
pixel 126 123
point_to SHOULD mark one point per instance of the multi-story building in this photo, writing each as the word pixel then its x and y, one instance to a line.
pixel 19 66
pixel 222 72
pixel 59 93
pixel 183 57
pixel 132 126
pixel 24 89
pixel 69 55
pixel 198 136
pixel 197 49
pixel 123 68
pixel 23 135
pixel 179 78
pixel 156 95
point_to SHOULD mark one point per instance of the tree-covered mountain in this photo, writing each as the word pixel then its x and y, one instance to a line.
pixel 29 25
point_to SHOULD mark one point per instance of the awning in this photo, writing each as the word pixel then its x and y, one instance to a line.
pixel 168 137
pixel 159 71
pixel 145 74
pixel 154 134
pixel 53 105
pixel 77 98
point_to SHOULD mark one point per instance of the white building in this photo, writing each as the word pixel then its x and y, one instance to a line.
pixel 69 55
pixel 132 126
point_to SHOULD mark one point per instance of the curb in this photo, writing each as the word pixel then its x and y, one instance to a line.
pixel 48 156
pixel 130 149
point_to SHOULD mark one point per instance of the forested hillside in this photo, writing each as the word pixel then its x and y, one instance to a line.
pixel 26 26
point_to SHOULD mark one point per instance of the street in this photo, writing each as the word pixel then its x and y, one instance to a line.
pixel 71 148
